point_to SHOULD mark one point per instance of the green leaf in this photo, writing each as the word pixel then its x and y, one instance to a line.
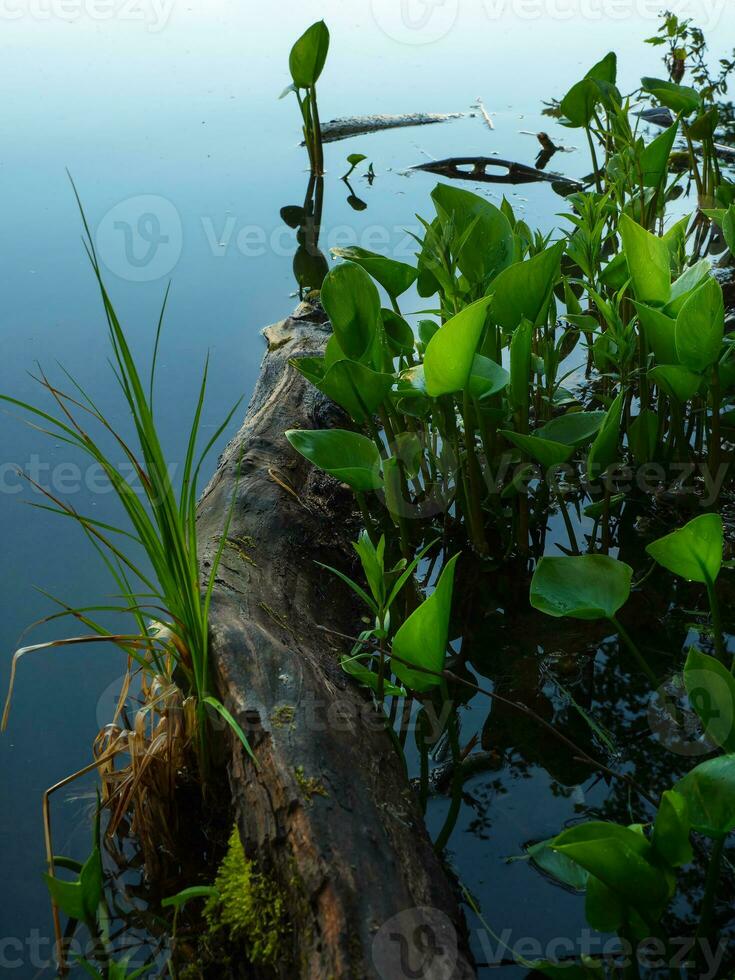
pixel 557 866
pixel 422 639
pixel 352 303
pixel 728 228
pixel 700 327
pixel 451 351
pixel 643 436
pixel 520 367
pixel 603 908
pixel 709 791
pixel 348 456
pixel 678 98
pixel 79 899
pixel 522 291
pixel 659 331
pixel 692 277
pixel 185 895
pixel 309 54
pixel 398 333
pixel 676 381
pixel 694 552
pixel 355 158
pixel 356 387
pixel 395 277
pixel 604 450
pixel 655 157
pixel 486 378
pixel 711 690
pixel 544 451
pixel 573 429
pixel 369 678
pixel 488 247
pixel 618 857
pixel 580 586
pixel 648 262
pixel 671 830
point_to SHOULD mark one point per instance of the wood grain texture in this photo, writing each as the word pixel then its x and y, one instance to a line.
pixel 328 813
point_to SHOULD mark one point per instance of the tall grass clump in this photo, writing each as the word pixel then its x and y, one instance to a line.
pixel 164 594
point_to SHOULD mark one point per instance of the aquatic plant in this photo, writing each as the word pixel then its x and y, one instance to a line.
pixel 167 599
pixel 306 63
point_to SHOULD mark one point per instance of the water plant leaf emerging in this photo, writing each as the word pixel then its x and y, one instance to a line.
pixel 422 639
pixel 580 586
pixel 451 351
pixel 694 552
pixel 347 456
pixel 309 54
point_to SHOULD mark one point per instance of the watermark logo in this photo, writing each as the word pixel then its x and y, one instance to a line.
pixel 417 944
pixel 152 14
pixel 140 239
pixel 415 21
pixel 692 720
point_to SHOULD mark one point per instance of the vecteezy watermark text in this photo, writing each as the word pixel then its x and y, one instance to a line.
pixel 153 15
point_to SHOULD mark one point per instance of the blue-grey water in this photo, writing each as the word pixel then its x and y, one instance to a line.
pixel 167 116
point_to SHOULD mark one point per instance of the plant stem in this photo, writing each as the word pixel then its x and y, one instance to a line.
pixel 457 781
pixel 625 636
pixel 714 606
pixel 710 889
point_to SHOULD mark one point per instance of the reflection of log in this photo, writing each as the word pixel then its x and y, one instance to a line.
pixel 501 171
pixel 328 814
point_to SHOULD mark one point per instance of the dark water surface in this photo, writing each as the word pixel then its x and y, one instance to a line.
pixel 184 157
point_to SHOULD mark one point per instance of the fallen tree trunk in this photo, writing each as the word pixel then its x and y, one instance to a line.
pixel 328 813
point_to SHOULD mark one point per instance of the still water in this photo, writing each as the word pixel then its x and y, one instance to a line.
pixel 167 116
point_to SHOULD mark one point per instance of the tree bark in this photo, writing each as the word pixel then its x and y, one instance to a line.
pixel 328 813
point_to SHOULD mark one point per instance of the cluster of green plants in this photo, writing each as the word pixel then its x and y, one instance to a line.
pixel 543 372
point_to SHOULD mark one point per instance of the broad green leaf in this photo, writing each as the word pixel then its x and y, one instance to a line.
pixel 648 262
pixel 486 378
pixel 352 303
pixel 660 333
pixel 580 586
pixel 643 436
pixel 700 327
pixel 520 367
pixel 604 909
pixel 557 866
pixel 578 105
pixel 671 830
pixel 79 899
pixel 412 382
pixel 356 387
pixel 355 158
pixel 676 381
pixel 347 456
pixel 572 429
pixel 398 333
pixel 694 552
pixel 522 291
pixel 451 351
pixel 309 54
pixel 422 638
pixel 606 69
pixel 544 451
pixel 692 277
pixel 711 690
pixel 655 157
pixel 710 794
pixel 678 98
pixel 395 277
pixel 705 125
pixel 604 450
pixel 618 857
pixel 488 248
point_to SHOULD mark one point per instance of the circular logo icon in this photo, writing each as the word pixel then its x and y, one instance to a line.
pixel 140 239
pixel 416 944
pixel 415 21
pixel 696 721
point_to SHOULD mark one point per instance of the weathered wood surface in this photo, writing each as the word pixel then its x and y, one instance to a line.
pixel 328 812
